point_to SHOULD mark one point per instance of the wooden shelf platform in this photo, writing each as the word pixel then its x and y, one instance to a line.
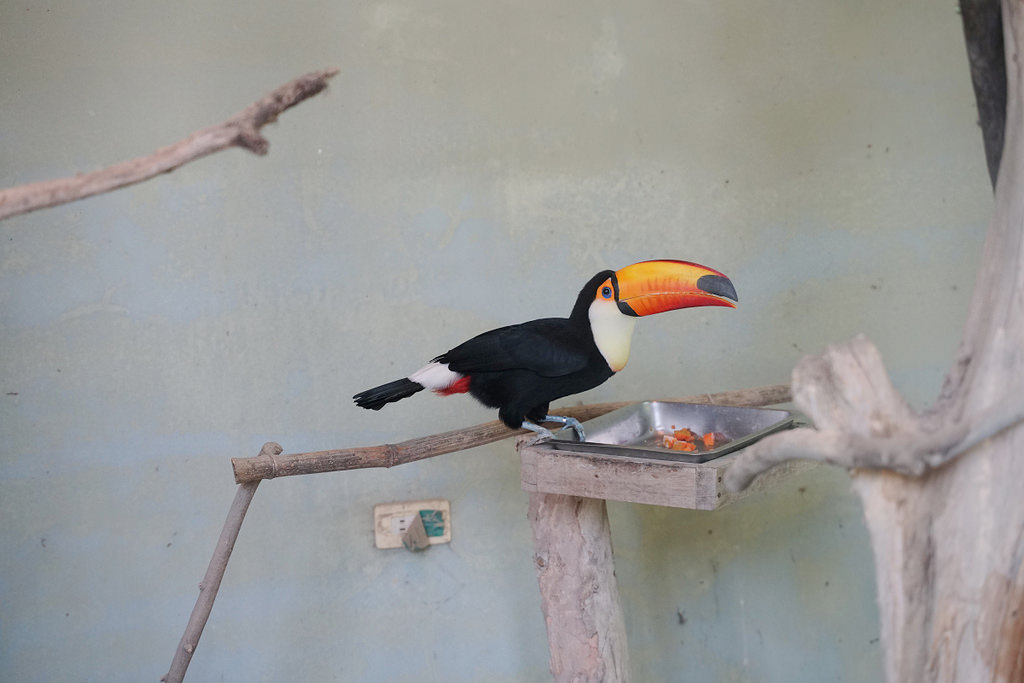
pixel 694 486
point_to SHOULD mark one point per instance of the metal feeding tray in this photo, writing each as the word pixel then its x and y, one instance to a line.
pixel 636 430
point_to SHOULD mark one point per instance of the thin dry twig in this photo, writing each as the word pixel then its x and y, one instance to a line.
pixel 267 466
pixel 211 583
pixel 241 130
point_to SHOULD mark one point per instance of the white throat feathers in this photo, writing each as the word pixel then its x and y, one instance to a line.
pixel 613 332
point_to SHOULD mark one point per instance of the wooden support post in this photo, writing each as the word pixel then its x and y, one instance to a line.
pixel 573 545
pixel 579 596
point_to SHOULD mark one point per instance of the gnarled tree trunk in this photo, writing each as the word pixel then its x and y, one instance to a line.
pixel 943 490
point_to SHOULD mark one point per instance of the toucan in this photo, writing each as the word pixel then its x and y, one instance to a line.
pixel 520 369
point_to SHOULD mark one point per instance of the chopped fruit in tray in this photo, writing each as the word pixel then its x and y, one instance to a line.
pixel 684 434
pixel 685 440
pixel 712 439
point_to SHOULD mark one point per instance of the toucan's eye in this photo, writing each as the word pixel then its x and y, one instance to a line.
pixel 606 292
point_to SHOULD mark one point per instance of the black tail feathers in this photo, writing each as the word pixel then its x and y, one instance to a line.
pixel 378 397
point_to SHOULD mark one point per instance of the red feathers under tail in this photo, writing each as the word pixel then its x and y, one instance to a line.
pixel 459 386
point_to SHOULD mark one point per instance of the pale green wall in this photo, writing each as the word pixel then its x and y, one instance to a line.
pixel 472 165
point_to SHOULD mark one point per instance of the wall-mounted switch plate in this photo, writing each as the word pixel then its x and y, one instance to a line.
pixel 392 520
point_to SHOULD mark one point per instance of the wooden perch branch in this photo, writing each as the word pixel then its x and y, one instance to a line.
pixel 270 465
pixel 241 130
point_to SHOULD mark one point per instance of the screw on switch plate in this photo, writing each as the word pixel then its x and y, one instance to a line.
pixel 392 523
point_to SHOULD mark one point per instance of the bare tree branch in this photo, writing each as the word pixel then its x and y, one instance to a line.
pixel 862 423
pixel 241 130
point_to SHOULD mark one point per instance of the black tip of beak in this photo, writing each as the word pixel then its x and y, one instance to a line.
pixel 717 285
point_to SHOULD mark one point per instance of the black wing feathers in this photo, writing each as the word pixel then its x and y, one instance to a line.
pixel 551 347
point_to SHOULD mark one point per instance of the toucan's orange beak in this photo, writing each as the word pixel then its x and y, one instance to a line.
pixel 653 287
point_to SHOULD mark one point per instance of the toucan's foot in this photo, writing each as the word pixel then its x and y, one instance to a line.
pixel 568 423
pixel 543 433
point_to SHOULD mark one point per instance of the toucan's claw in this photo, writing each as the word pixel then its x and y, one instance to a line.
pixel 568 423
pixel 543 433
